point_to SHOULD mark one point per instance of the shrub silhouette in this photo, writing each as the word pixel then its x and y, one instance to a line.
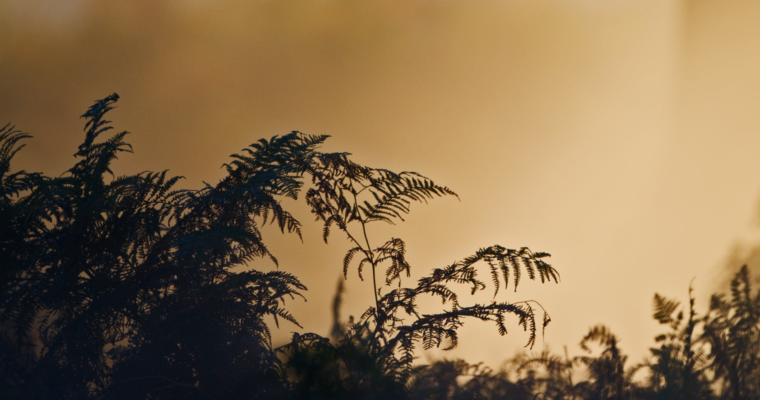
pixel 712 356
pixel 732 328
pixel 122 287
pixel 125 284
pixel 679 364
pixel 127 288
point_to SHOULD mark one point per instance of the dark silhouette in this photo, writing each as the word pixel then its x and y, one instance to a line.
pixel 123 288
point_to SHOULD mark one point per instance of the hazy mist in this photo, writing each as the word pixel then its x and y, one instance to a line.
pixel 619 136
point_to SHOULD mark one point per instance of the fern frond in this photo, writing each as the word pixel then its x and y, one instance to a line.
pixel 664 308
pixel 347 259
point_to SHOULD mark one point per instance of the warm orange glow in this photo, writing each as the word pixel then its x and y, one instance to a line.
pixel 619 136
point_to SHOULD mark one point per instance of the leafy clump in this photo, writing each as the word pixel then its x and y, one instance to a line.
pixel 127 287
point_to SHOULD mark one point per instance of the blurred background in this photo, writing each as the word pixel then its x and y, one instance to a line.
pixel 619 136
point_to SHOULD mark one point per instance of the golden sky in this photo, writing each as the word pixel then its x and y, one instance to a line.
pixel 619 136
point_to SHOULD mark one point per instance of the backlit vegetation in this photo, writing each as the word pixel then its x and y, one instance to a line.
pixel 128 288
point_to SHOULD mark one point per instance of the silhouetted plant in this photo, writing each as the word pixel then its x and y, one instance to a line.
pixel 686 365
pixel 337 201
pixel 123 287
pixel 551 375
pixel 609 378
pixel 732 329
pixel 679 365
pixel 347 195
pixel 350 197
pixel 457 379
pixel 126 285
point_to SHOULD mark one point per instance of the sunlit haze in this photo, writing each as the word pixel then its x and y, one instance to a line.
pixel 619 136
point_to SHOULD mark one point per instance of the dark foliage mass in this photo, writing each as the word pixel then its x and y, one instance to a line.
pixel 123 287
pixel 128 288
